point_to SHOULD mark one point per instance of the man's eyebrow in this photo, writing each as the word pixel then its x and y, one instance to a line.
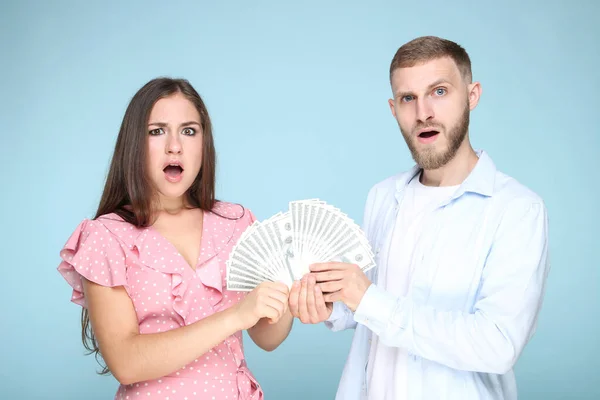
pixel 439 82
pixel 429 87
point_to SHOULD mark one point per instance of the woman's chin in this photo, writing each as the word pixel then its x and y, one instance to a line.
pixel 172 196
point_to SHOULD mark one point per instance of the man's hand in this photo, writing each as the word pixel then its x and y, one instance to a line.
pixel 306 301
pixel 341 282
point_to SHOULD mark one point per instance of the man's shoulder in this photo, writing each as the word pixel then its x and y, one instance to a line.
pixel 381 195
pixel 508 189
pixel 391 182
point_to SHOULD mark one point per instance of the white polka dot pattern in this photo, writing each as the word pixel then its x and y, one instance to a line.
pixel 167 294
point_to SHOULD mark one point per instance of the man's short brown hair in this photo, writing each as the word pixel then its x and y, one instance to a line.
pixel 427 48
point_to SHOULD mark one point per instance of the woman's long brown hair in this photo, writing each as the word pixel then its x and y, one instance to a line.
pixel 128 191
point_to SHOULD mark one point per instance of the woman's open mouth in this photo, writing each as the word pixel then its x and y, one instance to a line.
pixel 173 172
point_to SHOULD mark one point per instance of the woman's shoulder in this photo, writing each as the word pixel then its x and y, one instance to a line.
pixel 108 227
pixel 233 211
pixel 95 251
pixel 118 227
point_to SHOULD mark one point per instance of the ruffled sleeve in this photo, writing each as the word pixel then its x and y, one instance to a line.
pixel 94 253
pixel 251 218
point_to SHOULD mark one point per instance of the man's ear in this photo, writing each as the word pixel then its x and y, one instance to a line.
pixel 474 93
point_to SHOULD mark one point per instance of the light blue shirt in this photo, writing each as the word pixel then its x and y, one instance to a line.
pixel 474 297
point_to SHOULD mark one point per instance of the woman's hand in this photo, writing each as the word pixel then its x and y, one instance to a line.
pixel 268 300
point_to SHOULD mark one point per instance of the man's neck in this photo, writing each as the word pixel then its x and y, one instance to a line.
pixel 455 171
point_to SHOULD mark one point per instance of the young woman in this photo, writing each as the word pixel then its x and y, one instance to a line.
pixel 149 269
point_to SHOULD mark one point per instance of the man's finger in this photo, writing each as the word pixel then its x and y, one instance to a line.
pixel 310 300
pixel 320 303
pixel 333 265
pixel 333 286
pixel 333 297
pixel 303 311
pixel 331 275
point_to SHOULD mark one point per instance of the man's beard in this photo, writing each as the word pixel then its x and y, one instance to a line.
pixel 428 158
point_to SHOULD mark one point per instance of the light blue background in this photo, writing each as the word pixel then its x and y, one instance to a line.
pixel 297 92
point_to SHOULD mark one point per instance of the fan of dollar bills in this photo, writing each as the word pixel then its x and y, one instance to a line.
pixel 282 247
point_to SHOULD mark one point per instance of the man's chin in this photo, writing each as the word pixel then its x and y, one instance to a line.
pixel 430 160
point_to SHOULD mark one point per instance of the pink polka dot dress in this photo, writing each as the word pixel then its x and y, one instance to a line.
pixel 168 294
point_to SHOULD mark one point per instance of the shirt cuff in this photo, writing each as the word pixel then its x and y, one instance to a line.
pixel 339 318
pixel 337 312
pixel 376 309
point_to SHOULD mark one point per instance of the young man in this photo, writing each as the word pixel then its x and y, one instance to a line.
pixel 461 252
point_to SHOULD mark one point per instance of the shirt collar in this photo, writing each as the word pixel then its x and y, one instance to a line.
pixel 479 181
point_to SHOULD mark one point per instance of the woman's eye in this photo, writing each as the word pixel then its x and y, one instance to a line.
pixel 157 131
pixel 189 131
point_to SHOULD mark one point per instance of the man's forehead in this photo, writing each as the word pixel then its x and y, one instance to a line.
pixel 422 75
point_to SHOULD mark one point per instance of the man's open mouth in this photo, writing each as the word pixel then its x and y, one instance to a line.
pixel 428 134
